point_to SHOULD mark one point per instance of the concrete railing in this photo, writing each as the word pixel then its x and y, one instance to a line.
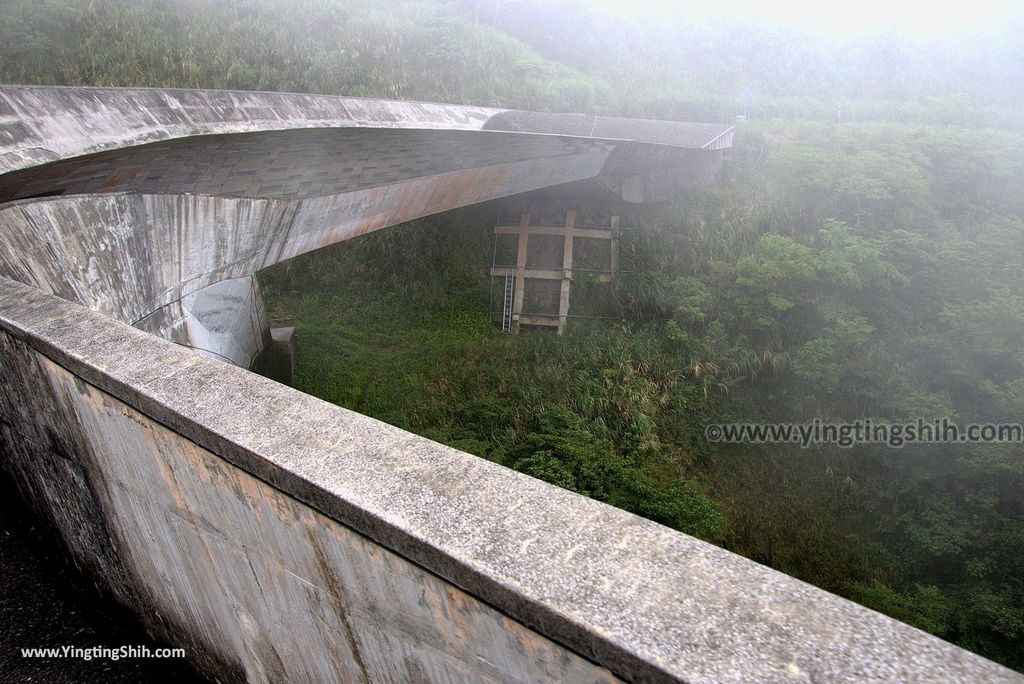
pixel 40 124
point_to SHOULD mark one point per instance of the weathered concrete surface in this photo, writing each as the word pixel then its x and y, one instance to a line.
pixel 211 537
pixel 40 124
pixel 288 146
pixel 291 164
pixel 225 320
pixel 147 261
pixel 669 133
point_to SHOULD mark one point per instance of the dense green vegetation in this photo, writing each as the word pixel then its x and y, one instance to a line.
pixel 837 272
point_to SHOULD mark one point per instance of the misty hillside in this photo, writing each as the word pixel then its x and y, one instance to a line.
pixel 555 56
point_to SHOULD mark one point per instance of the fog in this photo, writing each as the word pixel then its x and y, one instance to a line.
pixel 836 19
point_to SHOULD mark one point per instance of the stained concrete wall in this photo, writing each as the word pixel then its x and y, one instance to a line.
pixel 291 164
pixel 359 142
pixel 40 124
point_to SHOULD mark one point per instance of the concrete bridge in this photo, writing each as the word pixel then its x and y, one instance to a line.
pixel 206 188
pixel 281 538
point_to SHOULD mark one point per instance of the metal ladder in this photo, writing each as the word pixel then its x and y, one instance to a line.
pixel 506 310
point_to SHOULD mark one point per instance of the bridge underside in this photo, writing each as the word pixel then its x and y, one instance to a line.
pixel 168 235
